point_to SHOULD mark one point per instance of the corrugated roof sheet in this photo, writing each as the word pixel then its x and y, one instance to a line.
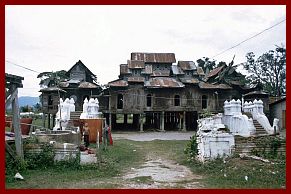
pixel 200 71
pixel 124 69
pixel 238 83
pixel 214 71
pixel 256 93
pixel 189 80
pixel 136 79
pixel 118 83
pixel 177 70
pixel 204 85
pixel 87 85
pixel 187 65
pixel 154 57
pixel 74 81
pixel 159 73
pixel 163 82
pixel 64 84
pixel 135 64
pixel 51 89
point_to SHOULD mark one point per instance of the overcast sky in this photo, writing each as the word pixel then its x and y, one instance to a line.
pixel 51 38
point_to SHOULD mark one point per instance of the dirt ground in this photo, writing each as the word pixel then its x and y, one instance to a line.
pixel 150 136
pixel 158 171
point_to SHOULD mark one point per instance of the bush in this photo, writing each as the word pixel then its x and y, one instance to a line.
pixel 191 149
pixel 267 147
pixel 43 159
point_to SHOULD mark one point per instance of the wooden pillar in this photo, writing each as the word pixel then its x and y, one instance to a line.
pixel 162 121
pixel 180 121
pixel 54 120
pixel 110 121
pixel 135 121
pixel 16 125
pixel 184 121
pixel 43 120
pixel 125 119
pixel 49 121
pixel 141 116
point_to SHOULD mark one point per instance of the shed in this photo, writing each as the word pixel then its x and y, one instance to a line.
pixel 278 110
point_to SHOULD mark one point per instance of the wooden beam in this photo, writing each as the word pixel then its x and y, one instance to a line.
pixel 16 125
pixel 10 150
pixel 10 98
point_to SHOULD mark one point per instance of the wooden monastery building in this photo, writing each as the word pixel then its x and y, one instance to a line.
pixel 153 92
pixel 81 84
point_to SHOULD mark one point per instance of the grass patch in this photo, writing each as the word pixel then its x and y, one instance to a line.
pixel 115 160
pixel 232 173
pixel 120 158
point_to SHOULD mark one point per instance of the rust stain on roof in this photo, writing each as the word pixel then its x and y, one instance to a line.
pixel 159 73
pixel 163 82
pixel 136 79
pixel 187 65
pixel 135 64
pixel 118 83
pixel 177 70
pixel 214 71
pixel 200 71
pixel 189 80
pixel 154 57
pixel 87 85
pixel 204 85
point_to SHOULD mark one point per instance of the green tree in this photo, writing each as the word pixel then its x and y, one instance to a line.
pixel 52 78
pixel 37 107
pixel 269 70
pixel 207 65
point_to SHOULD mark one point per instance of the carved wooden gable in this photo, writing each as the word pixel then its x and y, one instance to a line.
pixel 78 73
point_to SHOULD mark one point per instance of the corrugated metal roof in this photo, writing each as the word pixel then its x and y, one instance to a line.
pixel 187 65
pixel 135 64
pixel 64 84
pixel 154 57
pixel 118 83
pixel 136 79
pixel 148 69
pixel 159 73
pixel 238 83
pixel 200 71
pixel 74 81
pixel 256 93
pixel 204 85
pixel 177 70
pixel 52 89
pixel 124 69
pixel 87 85
pixel 214 71
pixel 189 80
pixel 163 82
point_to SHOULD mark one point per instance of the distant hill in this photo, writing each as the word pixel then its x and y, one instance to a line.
pixel 28 100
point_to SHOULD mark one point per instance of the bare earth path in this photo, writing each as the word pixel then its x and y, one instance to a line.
pixel 158 169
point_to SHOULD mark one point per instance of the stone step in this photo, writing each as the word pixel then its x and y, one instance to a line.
pixel 75 115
